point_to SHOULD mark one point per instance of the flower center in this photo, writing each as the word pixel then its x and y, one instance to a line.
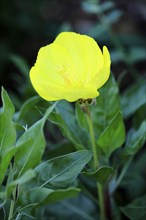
pixel 62 70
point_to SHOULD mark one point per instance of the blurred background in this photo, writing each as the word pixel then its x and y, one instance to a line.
pixel 27 25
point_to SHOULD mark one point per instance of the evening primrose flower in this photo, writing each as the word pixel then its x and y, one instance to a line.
pixel 71 68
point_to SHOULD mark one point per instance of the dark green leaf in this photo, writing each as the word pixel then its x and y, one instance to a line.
pixel 136 210
pixel 79 208
pixel 133 98
pixel 102 175
pixel 135 140
pixel 113 136
pixel 135 175
pixel 107 106
pixel 43 196
pixel 26 107
pixel 62 171
pixel 65 119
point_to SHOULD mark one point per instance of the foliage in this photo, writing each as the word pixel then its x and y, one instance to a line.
pixel 33 184
pixel 46 161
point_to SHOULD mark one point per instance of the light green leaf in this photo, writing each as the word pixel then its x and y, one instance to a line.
pixel 101 175
pixel 31 145
pixel 136 210
pixel 7 134
pixel 5 162
pixel 134 97
pixel 62 171
pixel 113 136
pixel 7 131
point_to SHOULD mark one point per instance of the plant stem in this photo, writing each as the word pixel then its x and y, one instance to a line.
pixel 96 164
pixel 11 209
pixel 90 124
pixel 12 204
pixel 101 201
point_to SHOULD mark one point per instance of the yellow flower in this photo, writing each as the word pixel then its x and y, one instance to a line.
pixel 70 68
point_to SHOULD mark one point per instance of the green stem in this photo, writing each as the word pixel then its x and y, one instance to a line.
pixel 101 201
pixel 96 164
pixel 11 209
pixel 11 212
pixel 90 124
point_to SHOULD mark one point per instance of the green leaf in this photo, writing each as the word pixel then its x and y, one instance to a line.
pixel 27 176
pixel 79 208
pixel 101 175
pixel 7 134
pixel 26 107
pixel 65 119
pixel 113 136
pixel 62 171
pixel 136 210
pixel 5 162
pixel 81 117
pixel 43 196
pixel 133 98
pixel 135 140
pixel 31 145
pixel 7 131
pixel 107 106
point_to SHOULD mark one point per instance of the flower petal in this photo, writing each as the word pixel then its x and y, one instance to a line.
pixel 84 93
pixel 85 53
pixel 70 68
pixel 102 76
